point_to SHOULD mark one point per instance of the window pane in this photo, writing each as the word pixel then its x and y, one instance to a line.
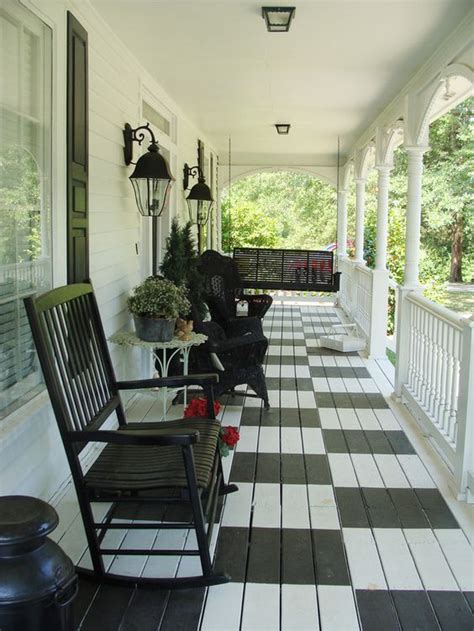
pixel 156 119
pixel 25 193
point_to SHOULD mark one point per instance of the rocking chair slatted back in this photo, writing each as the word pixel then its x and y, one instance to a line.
pixel 80 379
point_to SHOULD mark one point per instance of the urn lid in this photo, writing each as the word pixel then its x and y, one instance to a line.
pixel 24 519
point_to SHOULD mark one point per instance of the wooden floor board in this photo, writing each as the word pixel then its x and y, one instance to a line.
pixel 337 523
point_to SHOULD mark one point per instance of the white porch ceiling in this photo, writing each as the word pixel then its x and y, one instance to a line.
pixel 341 63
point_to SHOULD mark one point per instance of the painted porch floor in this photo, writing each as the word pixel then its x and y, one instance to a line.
pixel 337 524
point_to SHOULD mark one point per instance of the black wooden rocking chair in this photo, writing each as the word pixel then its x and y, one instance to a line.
pixel 173 465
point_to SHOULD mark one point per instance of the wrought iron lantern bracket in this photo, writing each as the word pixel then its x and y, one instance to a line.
pixel 131 135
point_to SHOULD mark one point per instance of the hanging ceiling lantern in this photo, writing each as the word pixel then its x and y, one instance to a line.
pixel 151 179
pixel 283 128
pixel 278 19
pixel 199 200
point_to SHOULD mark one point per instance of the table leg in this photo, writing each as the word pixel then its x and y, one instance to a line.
pixel 185 372
pixel 165 374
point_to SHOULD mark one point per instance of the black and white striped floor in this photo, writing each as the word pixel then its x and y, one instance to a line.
pixel 337 524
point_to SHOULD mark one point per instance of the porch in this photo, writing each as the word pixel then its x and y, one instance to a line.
pixel 353 510
pixel 344 519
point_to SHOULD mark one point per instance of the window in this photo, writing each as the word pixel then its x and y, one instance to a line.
pixel 156 119
pixel 25 193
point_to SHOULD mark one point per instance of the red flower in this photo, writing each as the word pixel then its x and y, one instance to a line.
pixel 230 435
pixel 198 407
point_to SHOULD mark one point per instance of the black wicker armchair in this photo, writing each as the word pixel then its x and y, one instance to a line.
pixel 224 289
pixel 237 359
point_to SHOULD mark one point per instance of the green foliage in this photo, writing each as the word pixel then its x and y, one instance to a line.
pixel 158 297
pixel 448 202
pixel 246 225
pixel 20 207
pixel 173 266
pixel 279 209
pixel 447 227
pixel 180 265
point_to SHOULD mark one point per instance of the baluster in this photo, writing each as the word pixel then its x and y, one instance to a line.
pixel 426 355
pixel 434 408
pixel 430 360
pixel 411 347
pixel 453 418
pixel 444 375
pixel 419 354
pixel 423 321
pixel 416 340
pixel 424 348
pixel 449 380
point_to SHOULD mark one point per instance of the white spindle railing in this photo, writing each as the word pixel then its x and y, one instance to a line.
pixel 345 296
pixel 434 362
pixel 363 302
pixel 364 298
pixel 438 376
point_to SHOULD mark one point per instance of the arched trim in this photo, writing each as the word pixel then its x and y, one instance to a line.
pixel 347 174
pixel 364 161
pixel 450 71
pixel 388 139
pixel 274 169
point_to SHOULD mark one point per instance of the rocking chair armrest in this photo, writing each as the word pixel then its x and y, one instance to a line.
pixel 158 437
pixel 169 382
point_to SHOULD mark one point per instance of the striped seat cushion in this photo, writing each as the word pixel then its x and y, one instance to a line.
pixel 135 468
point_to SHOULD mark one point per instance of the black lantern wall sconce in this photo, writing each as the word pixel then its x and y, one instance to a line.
pixel 151 178
pixel 278 19
pixel 199 200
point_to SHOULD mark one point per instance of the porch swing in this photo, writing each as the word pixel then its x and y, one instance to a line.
pixel 298 270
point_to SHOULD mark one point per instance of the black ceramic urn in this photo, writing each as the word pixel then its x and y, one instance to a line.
pixel 37 579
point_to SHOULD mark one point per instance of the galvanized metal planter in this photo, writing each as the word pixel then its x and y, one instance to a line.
pixel 154 329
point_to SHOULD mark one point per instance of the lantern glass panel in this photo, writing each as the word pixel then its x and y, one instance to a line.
pixel 199 210
pixel 151 195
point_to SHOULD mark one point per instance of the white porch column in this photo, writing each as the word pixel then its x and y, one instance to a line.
pixel 382 216
pixel 412 238
pixel 412 259
pixel 360 213
pixel 342 222
pixel 379 305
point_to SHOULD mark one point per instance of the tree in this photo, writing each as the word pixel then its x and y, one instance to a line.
pixel 246 225
pixel 448 218
pixel 20 207
pixel 303 208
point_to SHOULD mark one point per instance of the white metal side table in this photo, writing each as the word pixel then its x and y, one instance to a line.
pixel 162 352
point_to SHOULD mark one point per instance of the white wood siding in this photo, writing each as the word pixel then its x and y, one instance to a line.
pixel 31 455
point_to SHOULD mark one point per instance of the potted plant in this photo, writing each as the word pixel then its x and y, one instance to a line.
pixel 155 304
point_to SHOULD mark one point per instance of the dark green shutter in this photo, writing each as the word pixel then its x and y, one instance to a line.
pixel 77 153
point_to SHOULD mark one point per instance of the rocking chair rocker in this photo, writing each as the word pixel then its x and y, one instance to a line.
pixel 168 465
